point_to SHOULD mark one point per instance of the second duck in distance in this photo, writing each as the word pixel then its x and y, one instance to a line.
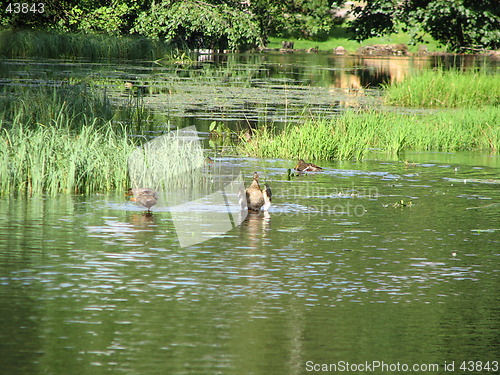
pixel 302 166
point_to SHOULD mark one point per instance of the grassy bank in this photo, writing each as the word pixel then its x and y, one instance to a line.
pixel 340 37
pixel 27 43
pixel 445 89
pixel 354 134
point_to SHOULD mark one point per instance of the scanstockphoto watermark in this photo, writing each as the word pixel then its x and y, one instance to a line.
pixel 316 200
pixel 386 367
pixel 371 366
pixel 312 190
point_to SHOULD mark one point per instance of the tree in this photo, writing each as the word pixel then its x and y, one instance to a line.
pixel 213 24
pixel 238 24
pixel 308 19
pixel 199 24
pixel 458 24
pixel 111 17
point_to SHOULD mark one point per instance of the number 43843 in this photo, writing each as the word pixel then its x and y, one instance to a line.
pixel 25 8
pixel 478 366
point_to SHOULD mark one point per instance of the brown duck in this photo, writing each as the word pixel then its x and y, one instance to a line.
pixel 145 196
pixel 258 199
pixel 302 166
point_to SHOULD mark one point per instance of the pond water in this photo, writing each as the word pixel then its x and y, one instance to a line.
pixel 375 263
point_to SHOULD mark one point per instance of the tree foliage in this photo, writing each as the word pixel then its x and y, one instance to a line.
pixel 308 19
pixel 455 23
pixel 233 24
pixel 244 24
pixel 198 24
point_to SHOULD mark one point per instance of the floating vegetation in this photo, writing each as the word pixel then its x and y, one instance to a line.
pixel 446 89
pixel 399 204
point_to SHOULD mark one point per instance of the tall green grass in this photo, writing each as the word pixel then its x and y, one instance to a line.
pixel 173 161
pixel 28 43
pixel 66 139
pixel 446 89
pixel 56 159
pixel 61 140
pixel 354 134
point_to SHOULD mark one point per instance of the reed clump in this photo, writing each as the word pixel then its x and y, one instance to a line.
pixel 55 159
pixel 30 43
pixel 445 89
pixel 69 104
pixel 61 140
pixel 354 134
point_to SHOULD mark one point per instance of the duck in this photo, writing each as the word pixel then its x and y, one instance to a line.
pixel 258 198
pixel 145 196
pixel 267 197
pixel 302 166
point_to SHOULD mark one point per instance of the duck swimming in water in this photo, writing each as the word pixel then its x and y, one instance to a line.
pixel 258 199
pixel 267 197
pixel 145 196
pixel 302 166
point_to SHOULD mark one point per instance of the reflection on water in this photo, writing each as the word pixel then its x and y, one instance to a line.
pixel 93 282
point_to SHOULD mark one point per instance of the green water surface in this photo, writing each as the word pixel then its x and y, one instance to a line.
pixel 371 262
pixel 337 272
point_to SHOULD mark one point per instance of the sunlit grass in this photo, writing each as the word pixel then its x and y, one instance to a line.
pixel 431 88
pixel 66 139
pixel 340 37
pixel 354 134
pixel 468 120
pixel 174 160
pixel 61 140
pixel 55 159
pixel 27 43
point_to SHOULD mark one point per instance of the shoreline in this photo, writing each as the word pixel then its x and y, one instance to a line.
pixel 382 50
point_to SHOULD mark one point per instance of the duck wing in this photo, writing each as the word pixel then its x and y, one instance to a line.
pixel 267 192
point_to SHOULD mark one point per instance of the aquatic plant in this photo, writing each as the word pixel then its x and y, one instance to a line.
pixel 55 159
pixel 63 139
pixel 71 104
pixel 445 89
pixel 354 134
pixel 174 164
pixel 168 161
